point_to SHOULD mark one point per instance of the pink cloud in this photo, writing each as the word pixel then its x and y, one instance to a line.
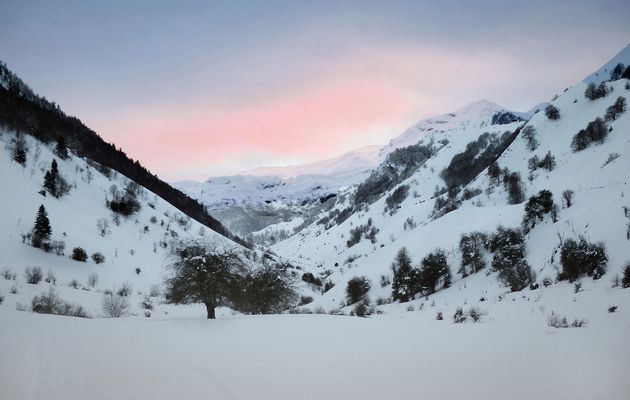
pixel 312 123
pixel 360 99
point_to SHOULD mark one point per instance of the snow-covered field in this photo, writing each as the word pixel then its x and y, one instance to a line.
pixel 314 357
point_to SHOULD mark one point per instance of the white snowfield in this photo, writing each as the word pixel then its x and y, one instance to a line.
pixel 400 351
pixel 298 357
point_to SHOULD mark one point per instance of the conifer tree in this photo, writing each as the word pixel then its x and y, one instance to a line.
pixel 50 179
pixel 42 229
pixel 19 150
pixel 405 277
pixel 61 149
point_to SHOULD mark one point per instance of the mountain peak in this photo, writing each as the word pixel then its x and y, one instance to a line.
pixel 480 107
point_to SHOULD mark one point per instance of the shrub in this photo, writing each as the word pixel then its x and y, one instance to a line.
pixel 114 306
pixel 396 197
pixel 50 303
pixel 58 246
pixel 308 277
pixel 567 197
pixel 103 226
pixel 582 257
pixel 514 187
pixel 475 313
pixel 625 280
pixel 265 290
pixel 552 112
pixel 459 316
pixel 357 289
pixel 33 275
pixel 147 303
pixel 548 162
pixel 8 275
pixel 366 230
pixel 327 286
pixel 518 276
pixel 98 258
pixel 78 254
pixel 92 280
pixel 363 309
pixel 385 281
pixel 50 278
pixel 529 134
pixel 304 300
pixel 127 203
pixel 536 208
pixel 74 284
pixel 559 321
pixel 508 246
pixel 595 131
pixel 594 92
pixel 613 111
pixel 125 290
pixel 472 246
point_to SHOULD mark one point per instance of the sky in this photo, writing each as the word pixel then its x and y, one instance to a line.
pixel 193 89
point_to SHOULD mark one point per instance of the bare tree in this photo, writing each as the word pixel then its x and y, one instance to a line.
pixel 103 226
pixel 114 306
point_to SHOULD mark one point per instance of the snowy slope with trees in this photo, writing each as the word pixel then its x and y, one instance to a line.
pixel 122 249
pixel 358 239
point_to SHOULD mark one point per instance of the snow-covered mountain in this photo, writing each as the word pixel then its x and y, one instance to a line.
pixel 249 202
pixel 365 241
pixel 478 114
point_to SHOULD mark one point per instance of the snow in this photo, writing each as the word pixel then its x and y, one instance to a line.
pixel 285 184
pixel 310 356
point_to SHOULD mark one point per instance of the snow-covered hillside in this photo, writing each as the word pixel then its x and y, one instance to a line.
pixel 472 116
pixel 134 248
pixel 598 176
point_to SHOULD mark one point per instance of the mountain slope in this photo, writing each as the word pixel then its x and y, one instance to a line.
pixel 21 110
pixel 134 247
pixel 597 175
pixel 603 73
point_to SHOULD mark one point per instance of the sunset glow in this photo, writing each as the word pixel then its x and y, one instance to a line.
pixel 213 88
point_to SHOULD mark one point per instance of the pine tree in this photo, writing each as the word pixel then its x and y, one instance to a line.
pixel 51 179
pixel 434 269
pixel 19 150
pixel 405 279
pixel 61 149
pixel 41 230
pixel 616 73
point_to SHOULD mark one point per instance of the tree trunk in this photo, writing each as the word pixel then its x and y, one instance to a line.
pixel 210 310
